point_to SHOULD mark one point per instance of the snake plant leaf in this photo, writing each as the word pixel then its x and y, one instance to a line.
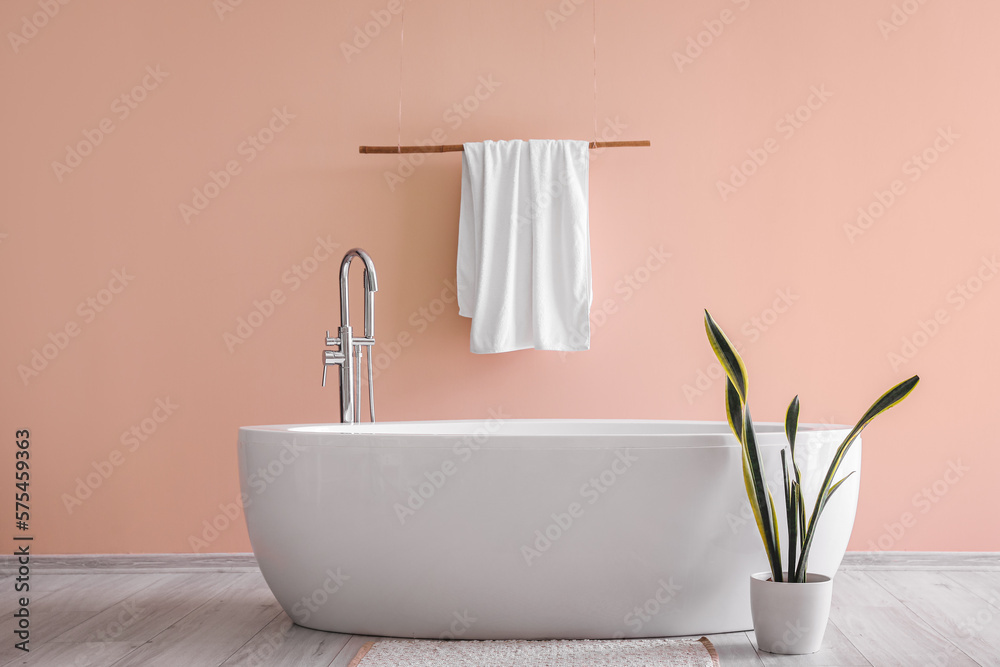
pixel 834 488
pixel 727 355
pixel 800 523
pixel 792 423
pixel 752 497
pixel 883 403
pixel 786 479
pixel 777 536
pixel 762 496
pixel 734 410
pixel 791 429
pixel 802 516
pixel 734 413
pixel 791 514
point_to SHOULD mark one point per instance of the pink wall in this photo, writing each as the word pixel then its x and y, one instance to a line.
pixel 889 93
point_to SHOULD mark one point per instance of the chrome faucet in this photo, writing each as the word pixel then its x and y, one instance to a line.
pixel 349 347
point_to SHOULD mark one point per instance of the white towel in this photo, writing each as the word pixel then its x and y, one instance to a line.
pixel 524 245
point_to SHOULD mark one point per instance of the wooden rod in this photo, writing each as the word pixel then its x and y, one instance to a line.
pixel 457 148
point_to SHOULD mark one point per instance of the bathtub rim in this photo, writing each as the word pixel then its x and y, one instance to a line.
pixel 369 435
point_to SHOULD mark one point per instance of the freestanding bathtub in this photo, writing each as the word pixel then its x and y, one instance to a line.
pixel 531 529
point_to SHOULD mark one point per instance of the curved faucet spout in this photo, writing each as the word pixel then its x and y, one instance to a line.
pixel 352 347
pixel 371 286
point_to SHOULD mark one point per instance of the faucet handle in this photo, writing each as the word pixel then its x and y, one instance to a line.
pixel 329 359
pixel 331 341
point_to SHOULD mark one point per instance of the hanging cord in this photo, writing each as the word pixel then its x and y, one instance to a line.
pixel 596 138
pixel 399 126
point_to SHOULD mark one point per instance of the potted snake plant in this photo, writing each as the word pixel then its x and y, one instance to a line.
pixel 787 595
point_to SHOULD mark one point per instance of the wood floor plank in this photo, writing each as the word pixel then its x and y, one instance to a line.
pixel 885 631
pixel 95 654
pixel 836 651
pixel 984 584
pixel 212 632
pixel 959 615
pixel 284 644
pixel 735 650
pixel 148 612
pixel 86 592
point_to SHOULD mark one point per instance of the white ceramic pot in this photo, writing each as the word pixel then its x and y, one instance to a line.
pixel 790 618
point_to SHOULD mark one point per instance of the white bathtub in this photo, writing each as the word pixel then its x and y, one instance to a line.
pixel 521 528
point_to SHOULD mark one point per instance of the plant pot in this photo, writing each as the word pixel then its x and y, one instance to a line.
pixel 790 618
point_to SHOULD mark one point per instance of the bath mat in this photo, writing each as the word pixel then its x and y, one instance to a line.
pixel 523 653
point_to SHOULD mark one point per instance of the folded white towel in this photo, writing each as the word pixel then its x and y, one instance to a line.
pixel 524 245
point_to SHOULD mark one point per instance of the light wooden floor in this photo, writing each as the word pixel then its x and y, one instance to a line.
pixel 904 611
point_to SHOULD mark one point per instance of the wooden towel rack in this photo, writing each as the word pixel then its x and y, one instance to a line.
pixel 457 148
